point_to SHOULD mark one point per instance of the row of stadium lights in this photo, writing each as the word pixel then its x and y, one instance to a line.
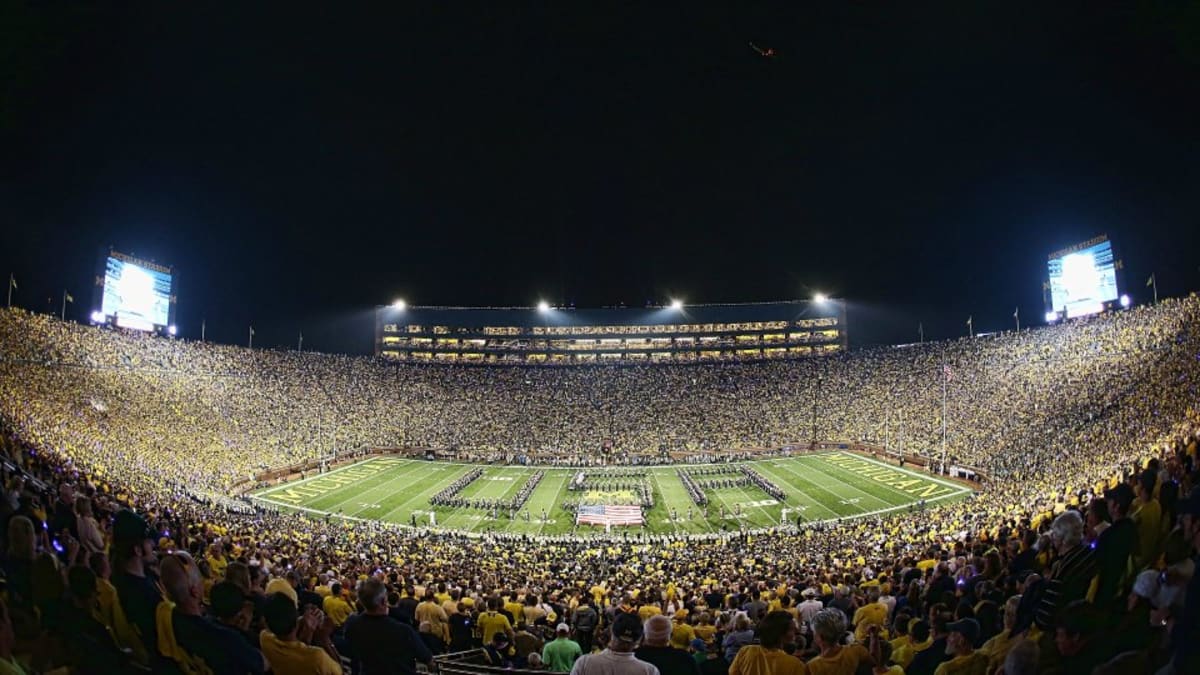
pixel 544 306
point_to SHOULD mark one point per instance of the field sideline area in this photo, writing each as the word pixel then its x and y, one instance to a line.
pixel 818 487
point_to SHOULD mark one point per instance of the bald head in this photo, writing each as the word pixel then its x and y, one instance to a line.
pixel 181 578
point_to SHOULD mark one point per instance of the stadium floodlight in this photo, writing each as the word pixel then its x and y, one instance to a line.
pixel 676 304
pixel 171 329
pixel 1051 317
pixel 97 317
pixel 399 304
pixel 543 306
pixel 1124 300
pixel 820 298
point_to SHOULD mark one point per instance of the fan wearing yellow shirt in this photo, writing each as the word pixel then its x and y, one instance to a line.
pixel 768 657
pixel 871 614
pixel 217 562
pixel 682 634
pixel 960 642
pixel 493 621
pixel 335 607
pixel 648 609
pixel 286 653
pixel 829 625
pixel 917 641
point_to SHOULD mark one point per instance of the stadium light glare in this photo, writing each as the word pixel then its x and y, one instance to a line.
pixel 171 330
pixel 676 304
pixel 543 306
pixel 1124 300
pixel 399 304
pixel 1051 317
pixel 820 298
pixel 97 317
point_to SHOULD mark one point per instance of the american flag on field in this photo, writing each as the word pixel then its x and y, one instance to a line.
pixel 599 514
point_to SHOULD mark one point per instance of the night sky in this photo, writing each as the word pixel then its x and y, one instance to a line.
pixel 299 167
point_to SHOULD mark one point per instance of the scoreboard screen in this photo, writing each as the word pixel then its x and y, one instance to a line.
pixel 137 294
pixel 1083 278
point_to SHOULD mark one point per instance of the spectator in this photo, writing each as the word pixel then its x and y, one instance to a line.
pixel 769 657
pixel 656 649
pixel 560 653
pixel 833 658
pixel 960 646
pixel 618 657
pixel 194 636
pixel 285 653
pixel 381 644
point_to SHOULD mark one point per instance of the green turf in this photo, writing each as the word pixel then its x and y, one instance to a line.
pixel 819 487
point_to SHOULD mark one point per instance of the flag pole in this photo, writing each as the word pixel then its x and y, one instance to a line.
pixel 63 314
pixel 945 377
pixel 202 326
pixel 1154 279
pixel 251 343
pixel 300 342
pixel 921 331
pixel 1017 318
pixel 12 282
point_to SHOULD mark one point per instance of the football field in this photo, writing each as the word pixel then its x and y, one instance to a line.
pixel 815 487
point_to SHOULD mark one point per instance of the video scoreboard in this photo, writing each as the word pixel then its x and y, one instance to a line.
pixel 135 293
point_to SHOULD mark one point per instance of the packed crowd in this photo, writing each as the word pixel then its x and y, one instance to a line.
pixel 107 396
pixel 125 444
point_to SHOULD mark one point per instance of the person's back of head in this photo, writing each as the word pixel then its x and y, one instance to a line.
pixel 920 632
pixel 226 600
pixel 657 631
pixel 373 596
pixel 281 615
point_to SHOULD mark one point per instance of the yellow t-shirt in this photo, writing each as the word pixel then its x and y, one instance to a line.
pixel 870 614
pixel 338 609
pixel 296 657
pixel 845 662
pixel 755 660
pixel 705 632
pixel 516 609
pixel 905 653
pixel 682 635
pixel 491 623
pixel 647 611
pixel 218 566
pixel 971 664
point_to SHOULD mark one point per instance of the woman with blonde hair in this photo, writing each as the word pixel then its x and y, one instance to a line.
pixel 90 537
pixel 997 648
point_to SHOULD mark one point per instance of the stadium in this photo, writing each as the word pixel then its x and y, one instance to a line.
pixel 599 339
pixel 621 480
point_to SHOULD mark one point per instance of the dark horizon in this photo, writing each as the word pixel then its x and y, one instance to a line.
pixel 300 168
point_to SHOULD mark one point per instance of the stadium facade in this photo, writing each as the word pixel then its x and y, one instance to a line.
pixel 566 336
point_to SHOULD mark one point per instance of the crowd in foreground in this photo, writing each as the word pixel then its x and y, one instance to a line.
pixel 120 446
pixel 98 582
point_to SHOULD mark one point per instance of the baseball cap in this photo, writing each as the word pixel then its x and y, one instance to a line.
pixel 969 628
pixel 562 628
pixel 627 627
pixel 130 527
pixel 698 645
